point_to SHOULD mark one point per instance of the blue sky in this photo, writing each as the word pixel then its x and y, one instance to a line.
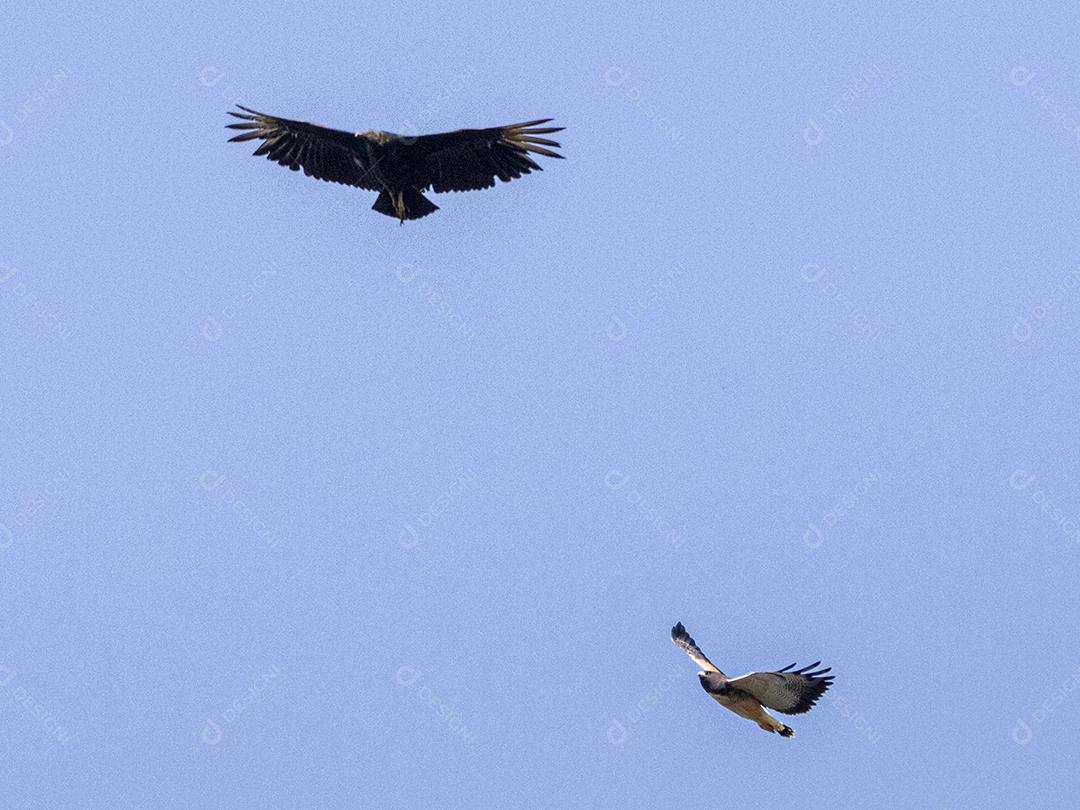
pixel 303 508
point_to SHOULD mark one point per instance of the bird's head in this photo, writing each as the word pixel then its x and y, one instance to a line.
pixel 713 682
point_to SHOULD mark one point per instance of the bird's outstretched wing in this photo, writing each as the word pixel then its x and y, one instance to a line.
pixel 326 154
pixel 792 692
pixel 470 159
pixel 689 646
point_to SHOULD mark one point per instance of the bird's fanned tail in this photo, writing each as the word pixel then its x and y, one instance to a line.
pixel 416 205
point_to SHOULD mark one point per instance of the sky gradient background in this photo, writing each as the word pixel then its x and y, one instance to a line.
pixel 303 508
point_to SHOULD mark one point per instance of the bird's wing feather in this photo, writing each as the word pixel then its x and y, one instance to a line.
pixel 470 159
pixel 326 154
pixel 788 692
pixel 689 646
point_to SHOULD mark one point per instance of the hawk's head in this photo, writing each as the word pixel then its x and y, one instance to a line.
pixel 713 682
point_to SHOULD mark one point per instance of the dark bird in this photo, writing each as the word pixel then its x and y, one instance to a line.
pixel 400 167
pixel 788 690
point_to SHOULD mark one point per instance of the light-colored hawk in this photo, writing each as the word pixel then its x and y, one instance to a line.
pixel 788 690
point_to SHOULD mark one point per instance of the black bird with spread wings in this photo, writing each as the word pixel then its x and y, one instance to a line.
pixel 788 690
pixel 400 167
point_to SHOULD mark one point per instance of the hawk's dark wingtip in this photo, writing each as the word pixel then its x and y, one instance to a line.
pixel 678 631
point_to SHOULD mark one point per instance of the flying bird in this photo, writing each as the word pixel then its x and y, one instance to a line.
pixel 788 690
pixel 400 167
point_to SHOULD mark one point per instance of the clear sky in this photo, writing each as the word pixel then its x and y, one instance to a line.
pixel 303 508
